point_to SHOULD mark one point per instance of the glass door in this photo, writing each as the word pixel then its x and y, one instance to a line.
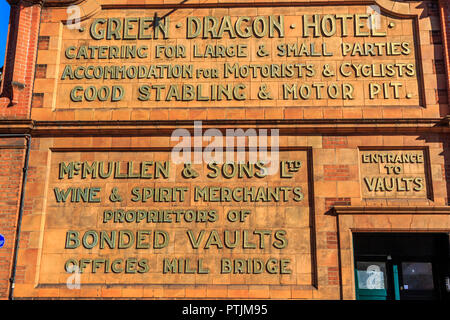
pixel 401 266
pixel 417 281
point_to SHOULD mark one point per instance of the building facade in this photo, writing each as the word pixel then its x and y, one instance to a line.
pixel 226 150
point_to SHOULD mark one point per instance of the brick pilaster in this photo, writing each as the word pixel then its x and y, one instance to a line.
pixel 20 59
pixel 15 103
pixel 444 10
pixel 12 152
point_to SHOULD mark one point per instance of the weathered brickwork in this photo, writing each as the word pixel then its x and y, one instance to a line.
pixel 351 171
pixel 334 142
pixel 444 11
pixel 336 172
pixel 11 161
pixel 21 53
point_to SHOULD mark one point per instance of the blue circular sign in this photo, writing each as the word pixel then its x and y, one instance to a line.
pixel 2 240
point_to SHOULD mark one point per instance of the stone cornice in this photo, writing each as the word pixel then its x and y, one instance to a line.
pixel 286 127
pixel 353 210
pixel 395 7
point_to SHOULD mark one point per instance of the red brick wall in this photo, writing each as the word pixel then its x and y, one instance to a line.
pixel 334 142
pixel 16 93
pixel 444 11
pixel 336 172
pixel 19 68
pixel 331 202
pixel 444 6
pixel 12 151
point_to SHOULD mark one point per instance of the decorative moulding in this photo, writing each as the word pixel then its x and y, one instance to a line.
pixel 353 210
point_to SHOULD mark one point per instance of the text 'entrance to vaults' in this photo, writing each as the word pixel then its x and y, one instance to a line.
pixel 402 266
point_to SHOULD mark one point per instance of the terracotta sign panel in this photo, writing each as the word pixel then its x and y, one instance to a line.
pixel 394 174
pixel 139 218
pixel 290 56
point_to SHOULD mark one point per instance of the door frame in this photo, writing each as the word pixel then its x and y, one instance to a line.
pixel 394 269
pixel 350 219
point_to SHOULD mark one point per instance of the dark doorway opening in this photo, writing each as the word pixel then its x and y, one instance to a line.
pixel 402 266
